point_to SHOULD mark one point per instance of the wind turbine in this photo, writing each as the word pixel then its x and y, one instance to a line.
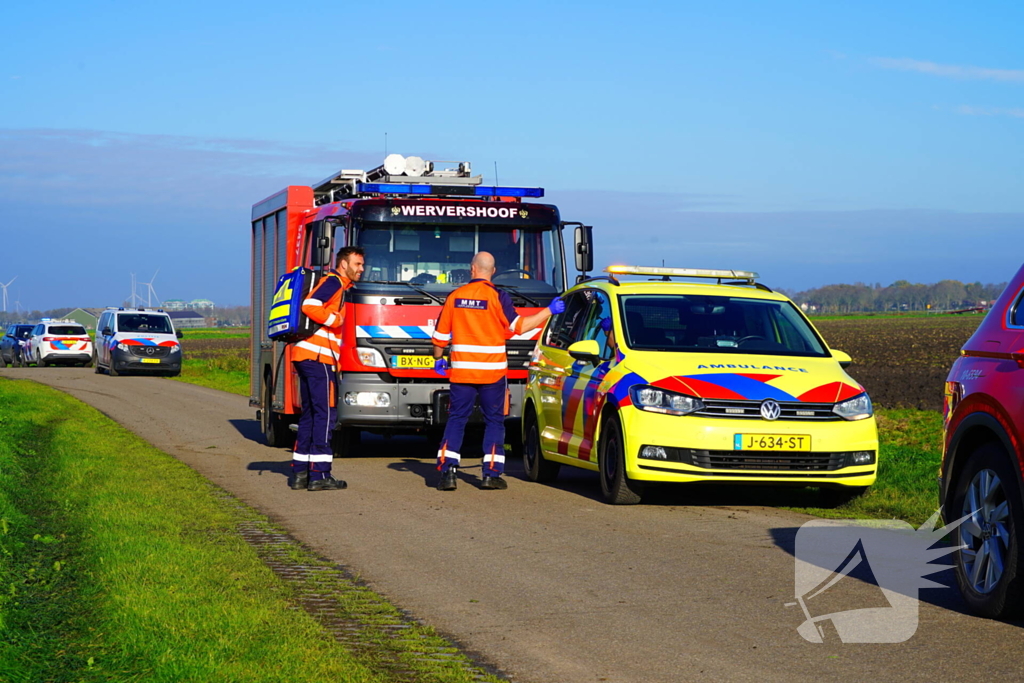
pixel 151 293
pixel 5 290
pixel 135 297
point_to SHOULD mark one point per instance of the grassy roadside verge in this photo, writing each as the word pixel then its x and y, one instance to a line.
pixel 119 563
pixel 910 450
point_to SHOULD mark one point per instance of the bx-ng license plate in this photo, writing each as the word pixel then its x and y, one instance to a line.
pixel 412 361
pixel 772 442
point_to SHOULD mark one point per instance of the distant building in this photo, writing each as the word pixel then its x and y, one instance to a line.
pixel 201 305
pixel 184 319
pixel 175 305
pixel 86 317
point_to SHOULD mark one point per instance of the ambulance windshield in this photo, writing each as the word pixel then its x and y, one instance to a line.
pixel 436 258
pixel 718 324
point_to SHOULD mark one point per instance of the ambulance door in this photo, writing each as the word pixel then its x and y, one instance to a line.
pixel 553 368
pixel 586 376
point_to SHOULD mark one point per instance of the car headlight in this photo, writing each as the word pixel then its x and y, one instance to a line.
pixel 371 357
pixel 176 348
pixel 655 400
pixel 123 347
pixel 856 408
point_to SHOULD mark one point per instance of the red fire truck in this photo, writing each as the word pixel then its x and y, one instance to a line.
pixel 420 226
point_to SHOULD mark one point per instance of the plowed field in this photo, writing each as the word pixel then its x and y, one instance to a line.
pixel 902 362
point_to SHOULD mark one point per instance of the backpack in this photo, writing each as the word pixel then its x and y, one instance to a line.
pixel 286 322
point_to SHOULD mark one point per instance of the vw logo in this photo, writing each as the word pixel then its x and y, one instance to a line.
pixel 770 410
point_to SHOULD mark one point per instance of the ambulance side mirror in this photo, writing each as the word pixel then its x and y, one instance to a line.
pixel 843 359
pixel 586 351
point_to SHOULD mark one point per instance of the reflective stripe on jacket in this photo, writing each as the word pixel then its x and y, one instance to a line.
pixel 325 305
pixel 476 319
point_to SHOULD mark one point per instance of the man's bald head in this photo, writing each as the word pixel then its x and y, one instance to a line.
pixel 482 266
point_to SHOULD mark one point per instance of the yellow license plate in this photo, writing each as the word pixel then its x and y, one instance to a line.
pixel 150 360
pixel 412 361
pixel 772 442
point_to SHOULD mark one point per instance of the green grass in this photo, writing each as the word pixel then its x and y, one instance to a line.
pixel 226 372
pixel 119 563
pixel 214 332
pixel 910 451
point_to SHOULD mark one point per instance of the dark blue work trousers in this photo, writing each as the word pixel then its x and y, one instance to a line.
pixel 492 405
pixel 318 392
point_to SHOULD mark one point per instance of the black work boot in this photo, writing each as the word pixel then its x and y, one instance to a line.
pixel 495 483
pixel 300 479
pixel 328 484
pixel 449 480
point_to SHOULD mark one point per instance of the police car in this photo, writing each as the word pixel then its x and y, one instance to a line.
pixel 694 376
pixel 58 342
pixel 137 340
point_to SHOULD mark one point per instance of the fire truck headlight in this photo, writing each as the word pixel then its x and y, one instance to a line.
pixel 374 399
pixel 371 357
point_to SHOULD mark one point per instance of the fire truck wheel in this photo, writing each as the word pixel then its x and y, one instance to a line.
pixel 275 429
pixel 345 442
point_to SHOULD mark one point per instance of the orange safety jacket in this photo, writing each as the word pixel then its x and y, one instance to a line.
pixel 477 318
pixel 326 306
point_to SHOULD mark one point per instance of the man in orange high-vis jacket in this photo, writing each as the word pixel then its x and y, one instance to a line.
pixel 316 361
pixel 477 318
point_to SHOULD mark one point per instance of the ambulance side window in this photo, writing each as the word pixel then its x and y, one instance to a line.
pixel 600 309
pixel 565 328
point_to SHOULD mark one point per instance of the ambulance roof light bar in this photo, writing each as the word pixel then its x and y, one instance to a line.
pixel 745 276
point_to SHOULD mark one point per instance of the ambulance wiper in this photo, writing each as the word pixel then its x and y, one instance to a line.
pixel 516 292
pixel 412 287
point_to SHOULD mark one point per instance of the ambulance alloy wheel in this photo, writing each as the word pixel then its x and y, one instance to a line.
pixel 536 466
pixel 611 461
pixel 988 567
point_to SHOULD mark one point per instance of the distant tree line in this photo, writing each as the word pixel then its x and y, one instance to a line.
pixel 12 317
pixel 225 315
pixel 946 295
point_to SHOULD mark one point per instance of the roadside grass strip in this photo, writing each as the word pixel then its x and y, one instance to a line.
pixel 119 563
pixel 910 451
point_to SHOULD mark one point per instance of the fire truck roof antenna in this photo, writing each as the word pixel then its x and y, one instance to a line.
pixel 385 144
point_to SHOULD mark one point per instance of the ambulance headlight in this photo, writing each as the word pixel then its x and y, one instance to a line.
pixel 368 399
pixel 656 400
pixel 857 408
pixel 371 357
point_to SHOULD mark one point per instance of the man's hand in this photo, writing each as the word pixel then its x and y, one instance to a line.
pixel 441 367
pixel 556 306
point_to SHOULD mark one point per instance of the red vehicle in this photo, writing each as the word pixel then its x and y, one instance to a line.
pixel 983 458
pixel 419 226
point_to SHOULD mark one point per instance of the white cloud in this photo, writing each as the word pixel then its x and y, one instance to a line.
pixel 973 73
pixel 969 110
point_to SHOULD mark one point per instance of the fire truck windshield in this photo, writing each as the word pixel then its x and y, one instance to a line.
pixel 436 258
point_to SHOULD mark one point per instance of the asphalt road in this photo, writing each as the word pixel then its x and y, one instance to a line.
pixel 546 582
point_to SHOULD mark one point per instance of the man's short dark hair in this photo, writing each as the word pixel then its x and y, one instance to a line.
pixel 345 252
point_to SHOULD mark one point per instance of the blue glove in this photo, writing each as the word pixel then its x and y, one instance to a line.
pixel 441 366
pixel 556 306
pixel 606 324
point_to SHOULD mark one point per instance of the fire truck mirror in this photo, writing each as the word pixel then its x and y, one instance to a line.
pixel 320 233
pixel 584 249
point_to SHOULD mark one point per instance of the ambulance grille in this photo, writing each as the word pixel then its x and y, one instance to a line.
pixel 751 410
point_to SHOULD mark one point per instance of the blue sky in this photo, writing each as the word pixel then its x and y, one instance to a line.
pixel 812 143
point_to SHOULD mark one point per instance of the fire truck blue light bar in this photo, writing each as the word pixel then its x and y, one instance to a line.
pixel 394 188
pixel 509 191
